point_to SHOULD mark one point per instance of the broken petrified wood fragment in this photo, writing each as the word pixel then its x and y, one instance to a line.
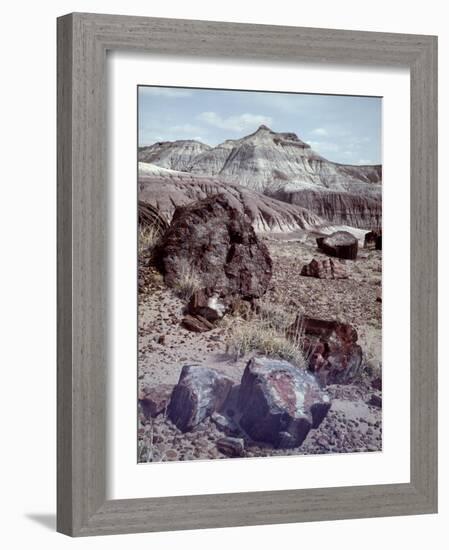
pixel 199 392
pixel 154 400
pixel 325 269
pixel 231 446
pixel 196 323
pixel 207 304
pixel 340 244
pixel 330 347
pixel 280 403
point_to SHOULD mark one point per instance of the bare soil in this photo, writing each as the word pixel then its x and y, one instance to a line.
pixel 352 424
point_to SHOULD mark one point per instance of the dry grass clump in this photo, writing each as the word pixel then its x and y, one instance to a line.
pixel 188 281
pixel 149 237
pixel 265 332
pixel 277 315
pixel 370 339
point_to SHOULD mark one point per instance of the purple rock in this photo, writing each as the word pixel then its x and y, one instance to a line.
pixel 280 403
pixel 200 392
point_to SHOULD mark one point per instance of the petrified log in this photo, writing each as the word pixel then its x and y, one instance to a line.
pixel 340 244
pixel 325 269
pixel 217 242
pixel 330 347
pixel 199 392
pixel 280 403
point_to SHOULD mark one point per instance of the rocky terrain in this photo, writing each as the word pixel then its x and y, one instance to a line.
pixel 260 301
pixel 282 166
pixel 235 365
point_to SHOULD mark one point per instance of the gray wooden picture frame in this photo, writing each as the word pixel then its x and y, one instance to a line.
pixel 83 40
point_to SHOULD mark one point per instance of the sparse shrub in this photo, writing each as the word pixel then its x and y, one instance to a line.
pixel 276 315
pixel 266 332
pixel 188 281
pixel 149 237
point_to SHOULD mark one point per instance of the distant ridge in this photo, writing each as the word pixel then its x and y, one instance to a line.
pixel 166 189
pixel 281 165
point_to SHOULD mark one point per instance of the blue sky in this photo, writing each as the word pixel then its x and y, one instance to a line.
pixel 344 129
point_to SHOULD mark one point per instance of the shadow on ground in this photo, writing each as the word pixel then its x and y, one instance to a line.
pixel 46 520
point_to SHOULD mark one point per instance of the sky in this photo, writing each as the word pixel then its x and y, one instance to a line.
pixel 345 129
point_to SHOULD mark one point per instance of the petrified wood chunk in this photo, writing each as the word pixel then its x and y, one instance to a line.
pixel 325 269
pixel 373 238
pixel 207 304
pixel 199 392
pixel 330 347
pixel 231 446
pixel 379 242
pixel 217 243
pixel 154 400
pixel 340 244
pixel 279 403
pixel 196 323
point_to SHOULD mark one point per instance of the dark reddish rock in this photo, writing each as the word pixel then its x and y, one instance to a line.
pixel 371 239
pixel 225 424
pixel 376 384
pixel 280 403
pixel 375 401
pixel 330 347
pixel 218 243
pixel 379 242
pixel 196 323
pixel 340 244
pixel 161 339
pixel 200 392
pixel 231 446
pixel 153 401
pixel 207 304
pixel 325 269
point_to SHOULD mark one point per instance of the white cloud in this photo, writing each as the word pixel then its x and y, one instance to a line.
pixel 186 129
pixel 320 132
pixel 164 92
pixel 237 123
pixel 324 146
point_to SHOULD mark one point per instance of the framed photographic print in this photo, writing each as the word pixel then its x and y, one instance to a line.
pixel 246 274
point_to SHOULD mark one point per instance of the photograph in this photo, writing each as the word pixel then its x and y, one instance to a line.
pixel 259 274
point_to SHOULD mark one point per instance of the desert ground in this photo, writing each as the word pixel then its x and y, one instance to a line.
pixel 354 420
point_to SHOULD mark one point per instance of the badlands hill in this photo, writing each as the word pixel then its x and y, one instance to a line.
pixel 166 189
pixel 284 167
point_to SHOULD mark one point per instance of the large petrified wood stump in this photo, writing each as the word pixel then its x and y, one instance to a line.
pixel 215 242
pixel 280 403
pixel 340 244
